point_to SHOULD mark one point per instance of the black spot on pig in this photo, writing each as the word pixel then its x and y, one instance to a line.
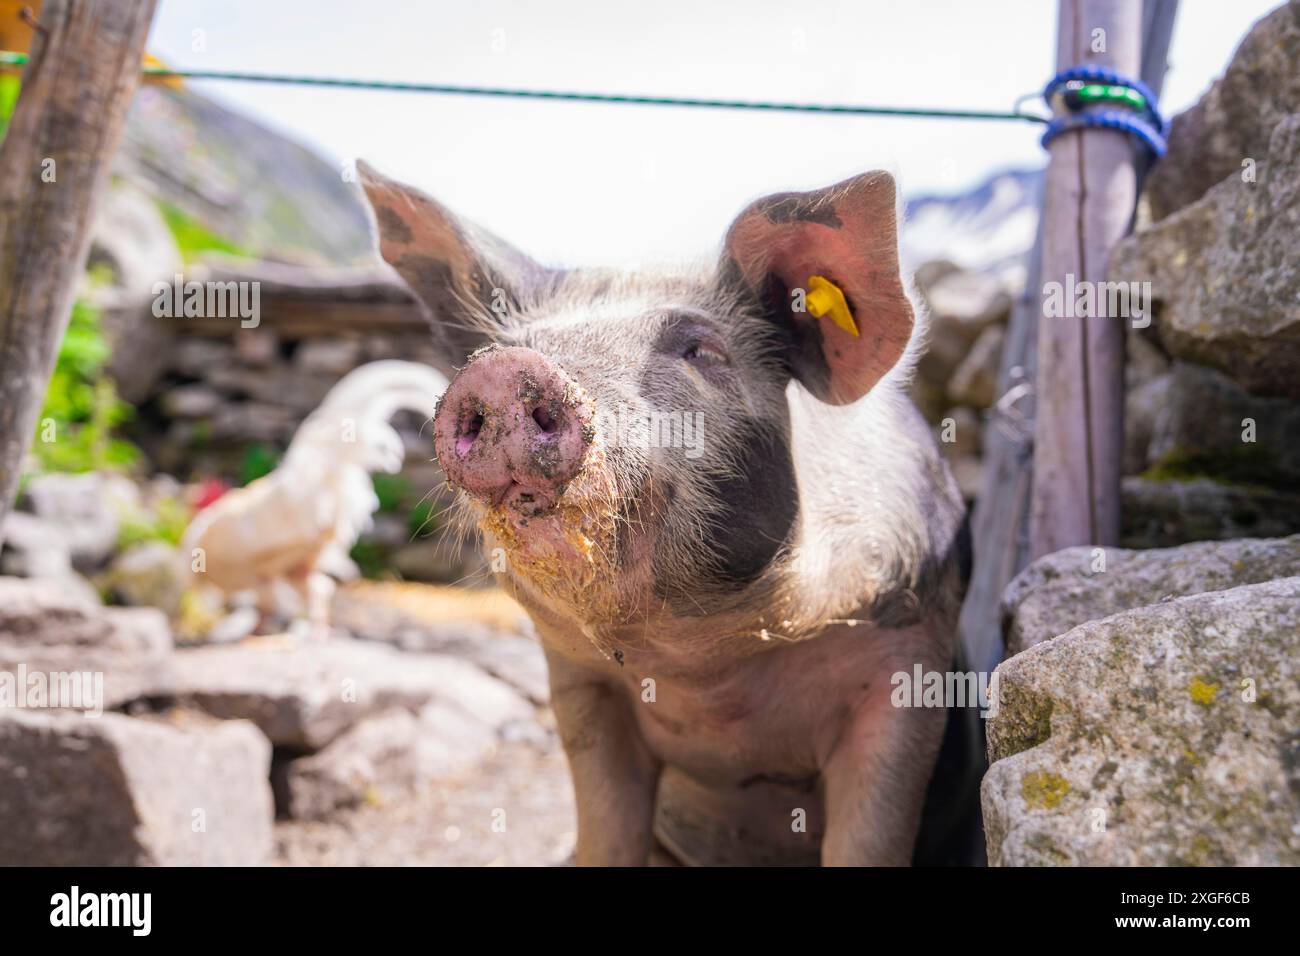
pixel 757 505
pixel 391 226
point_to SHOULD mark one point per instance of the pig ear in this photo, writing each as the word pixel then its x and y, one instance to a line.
pixel 847 234
pixel 467 277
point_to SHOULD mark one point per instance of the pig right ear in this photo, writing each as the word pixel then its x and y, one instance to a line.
pixel 845 239
pixel 467 277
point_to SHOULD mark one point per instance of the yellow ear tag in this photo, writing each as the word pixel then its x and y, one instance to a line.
pixel 825 298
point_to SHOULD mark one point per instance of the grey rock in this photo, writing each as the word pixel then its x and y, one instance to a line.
pixel 200 357
pixel 45 626
pixel 1161 736
pixel 86 509
pixel 1200 418
pixel 1234 119
pixel 1163 513
pixel 928 273
pixel 334 357
pixel 122 791
pixel 190 401
pixel 968 302
pixel 235 626
pixel 33 548
pixel 304 694
pixel 961 305
pixel 152 574
pixel 1063 590
pixel 1142 405
pixel 257 348
pixel 513 656
pixel 1143 360
pixel 1224 277
pixel 131 237
pixel 270 196
pixel 281 385
pixel 254 422
pixel 975 383
pixel 385 756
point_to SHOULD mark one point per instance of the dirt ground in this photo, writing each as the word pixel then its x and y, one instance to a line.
pixel 523 793
pixel 515 808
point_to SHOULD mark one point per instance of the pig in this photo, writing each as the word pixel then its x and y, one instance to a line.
pixel 721 621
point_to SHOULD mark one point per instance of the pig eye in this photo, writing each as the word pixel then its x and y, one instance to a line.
pixel 697 353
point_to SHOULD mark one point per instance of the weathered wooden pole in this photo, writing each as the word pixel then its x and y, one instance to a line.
pixel 1091 189
pixel 1000 519
pixel 54 165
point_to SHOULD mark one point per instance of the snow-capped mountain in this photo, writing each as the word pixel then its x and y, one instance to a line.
pixel 988 229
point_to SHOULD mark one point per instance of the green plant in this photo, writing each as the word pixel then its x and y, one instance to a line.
pixel 166 522
pixel 192 237
pixel 81 409
pixel 391 490
pixel 423 520
pixel 258 460
pixel 370 558
pixel 9 86
pixel 396 494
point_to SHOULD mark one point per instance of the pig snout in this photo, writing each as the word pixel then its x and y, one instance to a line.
pixel 513 429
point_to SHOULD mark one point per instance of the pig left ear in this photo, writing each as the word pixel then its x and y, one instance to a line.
pixel 840 240
pixel 464 275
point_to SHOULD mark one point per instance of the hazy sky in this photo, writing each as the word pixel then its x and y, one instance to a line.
pixel 578 183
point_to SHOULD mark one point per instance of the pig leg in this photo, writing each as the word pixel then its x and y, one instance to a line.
pixel 875 781
pixel 614 774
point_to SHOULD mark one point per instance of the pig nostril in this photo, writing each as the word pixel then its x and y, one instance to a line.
pixel 469 435
pixel 544 420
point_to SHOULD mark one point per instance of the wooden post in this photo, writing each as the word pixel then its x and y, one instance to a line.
pixel 1001 515
pixel 54 165
pixel 1091 190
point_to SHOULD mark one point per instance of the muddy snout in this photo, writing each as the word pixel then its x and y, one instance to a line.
pixel 513 429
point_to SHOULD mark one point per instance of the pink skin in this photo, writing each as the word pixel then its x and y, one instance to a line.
pixel 513 430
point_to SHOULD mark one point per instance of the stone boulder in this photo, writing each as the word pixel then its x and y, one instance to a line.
pixel 481 626
pixel 962 305
pixel 1161 513
pixel 86 509
pixel 32 548
pixel 1200 420
pixel 1224 276
pixel 1234 119
pixel 975 382
pixel 48 628
pixel 122 791
pixel 304 694
pixel 383 757
pixel 152 574
pixel 1062 590
pixel 1163 735
pixel 133 240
